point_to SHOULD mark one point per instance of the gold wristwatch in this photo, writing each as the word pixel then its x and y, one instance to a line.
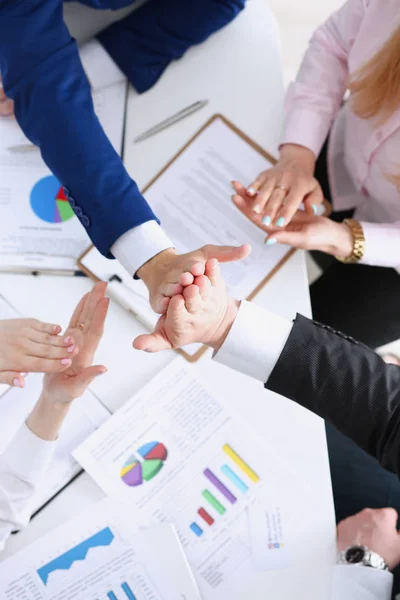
pixel 358 242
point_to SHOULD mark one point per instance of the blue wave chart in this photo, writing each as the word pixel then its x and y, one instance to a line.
pixel 78 552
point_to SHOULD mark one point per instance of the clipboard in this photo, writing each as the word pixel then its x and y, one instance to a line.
pixel 195 356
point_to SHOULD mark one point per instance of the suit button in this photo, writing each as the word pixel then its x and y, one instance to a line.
pixel 85 221
pixel 78 211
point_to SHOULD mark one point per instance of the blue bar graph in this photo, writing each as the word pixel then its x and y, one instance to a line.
pixel 196 529
pixel 234 478
pixel 112 596
pixel 129 594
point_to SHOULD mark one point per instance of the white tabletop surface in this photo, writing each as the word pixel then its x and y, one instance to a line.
pixel 239 71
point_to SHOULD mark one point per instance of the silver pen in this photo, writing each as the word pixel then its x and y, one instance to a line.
pixel 182 114
pixel 23 148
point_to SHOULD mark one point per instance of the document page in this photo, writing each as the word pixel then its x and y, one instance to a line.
pixel 38 228
pixel 175 453
pixel 99 555
pixel 85 416
pixel 192 199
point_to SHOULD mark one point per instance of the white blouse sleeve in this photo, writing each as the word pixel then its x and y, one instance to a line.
pixel 21 467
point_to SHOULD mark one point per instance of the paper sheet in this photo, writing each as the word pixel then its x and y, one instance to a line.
pixel 38 229
pixel 85 416
pixel 192 199
pixel 268 524
pixel 100 554
pixel 175 453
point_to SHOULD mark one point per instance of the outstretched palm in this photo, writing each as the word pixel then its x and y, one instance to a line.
pixel 86 327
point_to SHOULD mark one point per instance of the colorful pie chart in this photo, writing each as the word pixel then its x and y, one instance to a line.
pixel 48 201
pixel 144 464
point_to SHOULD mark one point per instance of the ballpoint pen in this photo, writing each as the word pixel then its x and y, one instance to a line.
pixel 182 114
pixel 22 148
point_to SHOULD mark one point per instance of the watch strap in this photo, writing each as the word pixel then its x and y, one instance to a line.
pixel 358 242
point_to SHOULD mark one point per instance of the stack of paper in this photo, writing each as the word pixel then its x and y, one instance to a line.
pixel 101 554
pixel 176 454
pixel 38 228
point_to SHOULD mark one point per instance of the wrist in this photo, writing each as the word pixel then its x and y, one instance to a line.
pixel 47 417
pixel 299 154
pixel 150 270
pixel 224 328
pixel 343 241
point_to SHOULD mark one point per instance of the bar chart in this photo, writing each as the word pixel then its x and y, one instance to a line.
pixel 223 489
pixel 126 589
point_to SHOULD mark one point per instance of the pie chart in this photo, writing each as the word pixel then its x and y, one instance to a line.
pixel 49 202
pixel 144 464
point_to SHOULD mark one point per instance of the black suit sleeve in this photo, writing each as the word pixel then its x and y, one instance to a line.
pixel 345 383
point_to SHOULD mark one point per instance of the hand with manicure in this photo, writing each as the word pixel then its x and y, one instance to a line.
pixel 277 193
pixel 30 346
pixel 86 328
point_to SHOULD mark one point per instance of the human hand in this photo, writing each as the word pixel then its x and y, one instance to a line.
pixel 276 194
pixel 203 313
pixel 30 346
pixel 374 528
pixel 306 232
pixel 86 327
pixel 6 105
pixel 163 273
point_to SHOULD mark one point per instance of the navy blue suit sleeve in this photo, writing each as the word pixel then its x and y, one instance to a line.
pixel 43 74
pixel 146 41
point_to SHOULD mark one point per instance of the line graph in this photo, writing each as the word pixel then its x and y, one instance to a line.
pixel 79 552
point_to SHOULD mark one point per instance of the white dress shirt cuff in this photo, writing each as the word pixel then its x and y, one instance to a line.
pixel 138 245
pixel 352 582
pixel 255 342
pixel 98 65
pixel 27 455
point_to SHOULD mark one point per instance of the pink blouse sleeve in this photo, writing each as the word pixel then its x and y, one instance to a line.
pixel 382 244
pixel 314 99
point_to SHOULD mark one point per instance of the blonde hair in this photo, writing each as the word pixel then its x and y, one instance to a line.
pixel 375 87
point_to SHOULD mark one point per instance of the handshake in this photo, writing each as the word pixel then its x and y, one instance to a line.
pixel 200 311
pixel 187 290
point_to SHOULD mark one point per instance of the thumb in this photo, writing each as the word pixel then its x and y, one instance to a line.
pixel 152 342
pixel 226 253
pixel 12 378
pixel 84 379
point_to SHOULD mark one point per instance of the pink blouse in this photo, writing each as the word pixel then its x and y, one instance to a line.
pixel 361 154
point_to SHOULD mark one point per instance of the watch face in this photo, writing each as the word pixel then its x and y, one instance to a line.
pixel 355 555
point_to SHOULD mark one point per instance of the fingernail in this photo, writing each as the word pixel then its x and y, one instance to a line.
pixel 66 361
pixel 251 191
pixel 266 221
pixel 17 383
pixel 102 373
pixel 232 186
pixel 67 340
pixel 270 241
pixel 71 348
pixel 314 209
pixel 55 328
pixel 257 209
pixel 280 222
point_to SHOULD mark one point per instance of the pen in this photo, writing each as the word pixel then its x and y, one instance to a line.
pixel 182 114
pixel 22 148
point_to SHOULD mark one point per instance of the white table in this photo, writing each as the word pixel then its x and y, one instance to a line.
pixel 239 70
